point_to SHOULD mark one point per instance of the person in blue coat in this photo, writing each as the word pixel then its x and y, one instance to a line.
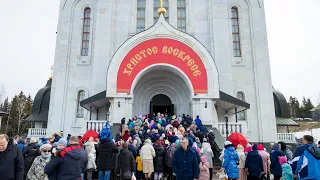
pixel 307 141
pixel 308 166
pixel 230 161
pixel 21 144
pixel 254 163
pixel 185 164
pixel 275 165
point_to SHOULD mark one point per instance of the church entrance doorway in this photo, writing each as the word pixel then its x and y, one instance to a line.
pixel 161 103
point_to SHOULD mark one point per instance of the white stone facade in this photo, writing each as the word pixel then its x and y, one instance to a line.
pixel 113 34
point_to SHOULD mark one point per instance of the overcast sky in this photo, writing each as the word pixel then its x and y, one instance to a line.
pixel 28 35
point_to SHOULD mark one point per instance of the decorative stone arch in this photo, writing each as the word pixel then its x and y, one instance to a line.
pixel 161 29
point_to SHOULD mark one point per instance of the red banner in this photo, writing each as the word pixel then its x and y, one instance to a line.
pixel 165 51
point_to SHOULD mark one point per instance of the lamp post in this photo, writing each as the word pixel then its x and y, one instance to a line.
pixel 227 131
pixel 108 114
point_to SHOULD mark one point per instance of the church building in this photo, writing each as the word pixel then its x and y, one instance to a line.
pixel 125 58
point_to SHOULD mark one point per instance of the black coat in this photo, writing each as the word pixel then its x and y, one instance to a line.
pixel 159 160
pixel 199 134
pixel 132 149
pixel 11 163
pixel 70 166
pixel 126 164
pixel 106 159
pixel 30 153
pixel 211 139
pixel 254 164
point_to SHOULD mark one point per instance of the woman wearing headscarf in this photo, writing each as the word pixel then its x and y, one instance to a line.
pixel 230 161
pixel 265 159
pixel 204 169
pixel 242 162
pixel 30 153
pixel 207 151
pixel 275 166
pixel 91 159
pixel 36 171
pixel 147 154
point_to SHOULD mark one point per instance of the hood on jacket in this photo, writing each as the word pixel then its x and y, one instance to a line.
pixel 240 148
pixel 21 142
pixel 314 151
pixel 74 151
pixel 203 159
pixel 275 147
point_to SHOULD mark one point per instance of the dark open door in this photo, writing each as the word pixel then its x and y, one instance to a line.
pixel 172 109
pixel 151 107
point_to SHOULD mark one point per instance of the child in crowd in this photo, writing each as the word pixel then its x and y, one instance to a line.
pixel 139 174
pixel 286 169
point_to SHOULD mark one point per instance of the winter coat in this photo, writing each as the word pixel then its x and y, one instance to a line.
pixel 265 160
pixel 299 152
pixel 275 166
pixel 211 139
pixel 106 159
pixel 133 150
pixel 204 169
pixel 11 163
pixel 254 164
pixel 207 151
pixel 158 161
pixel 309 163
pixel 169 156
pixel 147 152
pixel 70 163
pixel 36 171
pixel 242 156
pixel 286 172
pixel 126 164
pixel 30 153
pixel 185 164
pixel 92 159
pixel 21 145
pixel 230 162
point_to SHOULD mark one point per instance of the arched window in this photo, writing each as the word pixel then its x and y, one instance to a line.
pixel 80 97
pixel 86 32
pixel 141 15
pixel 156 6
pixel 181 15
pixel 241 115
pixel 235 32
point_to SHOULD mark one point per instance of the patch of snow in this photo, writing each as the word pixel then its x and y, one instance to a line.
pixel 314 132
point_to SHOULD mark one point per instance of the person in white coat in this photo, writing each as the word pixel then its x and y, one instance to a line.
pixel 91 159
pixel 147 153
pixel 207 151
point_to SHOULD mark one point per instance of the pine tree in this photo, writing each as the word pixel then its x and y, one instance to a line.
pixel 294 105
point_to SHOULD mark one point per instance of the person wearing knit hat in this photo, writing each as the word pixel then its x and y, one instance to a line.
pixel 230 161
pixel 254 163
pixel 62 143
pixel 265 159
pixel 37 168
pixel 286 168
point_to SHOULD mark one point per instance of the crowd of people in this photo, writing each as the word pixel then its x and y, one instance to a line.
pixel 153 147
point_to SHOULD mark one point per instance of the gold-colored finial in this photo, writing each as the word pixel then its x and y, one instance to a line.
pixel 162 10
pixel 51 72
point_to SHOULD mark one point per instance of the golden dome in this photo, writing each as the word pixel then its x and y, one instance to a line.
pixel 162 10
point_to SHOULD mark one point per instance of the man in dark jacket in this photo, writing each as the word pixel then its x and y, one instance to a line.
pixel 70 162
pixel 30 153
pixel 11 160
pixel 126 165
pixel 200 135
pixel 307 141
pixel 185 164
pixel 106 162
pixel 254 164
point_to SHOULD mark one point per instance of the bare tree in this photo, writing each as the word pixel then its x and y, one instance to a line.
pixel 21 103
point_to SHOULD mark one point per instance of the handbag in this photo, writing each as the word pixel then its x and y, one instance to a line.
pixel 133 177
pixel 222 175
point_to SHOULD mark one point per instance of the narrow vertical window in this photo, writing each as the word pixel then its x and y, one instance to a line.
pixel 80 110
pixel 241 115
pixel 235 32
pixel 86 32
pixel 156 6
pixel 181 15
pixel 141 15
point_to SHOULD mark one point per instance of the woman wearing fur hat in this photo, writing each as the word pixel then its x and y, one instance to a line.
pixel 230 161
pixel 36 172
